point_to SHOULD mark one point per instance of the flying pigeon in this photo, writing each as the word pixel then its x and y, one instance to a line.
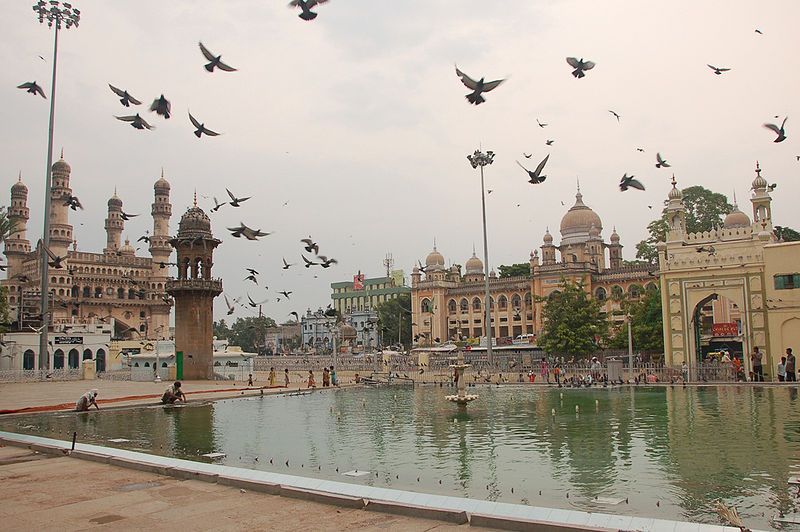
pixel 248 233
pixel 161 106
pixel 251 271
pixel 305 6
pixel 536 176
pixel 144 238
pixel 759 31
pixel 202 129
pixel 296 317
pixel 72 202
pixel 549 142
pixel 616 115
pixel 477 87
pixel 286 265
pixel 326 262
pixel 778 130
pixel 217 205
pixel 661 163
pixel 540 123
pixel 629 181
pixel 718 70
pixel 33 88
pixel 125 216
pixel 253 303
pixel 251 277
pixel 580 66
pixel 310 245
pixel 125 98
pixel 55 261
pixel 215 61
pixel 136 121
pixel 231 308
pixel 309 263
pixel 235 202
pixel 527 155
pixel 285 294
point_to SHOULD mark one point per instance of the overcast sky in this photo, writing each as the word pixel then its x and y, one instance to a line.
pixel 358 121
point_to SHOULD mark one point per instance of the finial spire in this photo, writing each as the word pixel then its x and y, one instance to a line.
pixel 19 179
pixel 162 172
pixel 195 197
pixel 735 204
pixel 62 152
pixel 473 249
pixel 674 181
pixel 578 180
pixel 758 169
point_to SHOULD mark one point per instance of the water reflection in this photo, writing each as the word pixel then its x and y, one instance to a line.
pixel 672 451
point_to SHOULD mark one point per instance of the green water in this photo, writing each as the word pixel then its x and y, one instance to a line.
pixel 670 451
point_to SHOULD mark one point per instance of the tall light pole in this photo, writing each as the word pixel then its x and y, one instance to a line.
pixel 56 15
pixel 480 159
pixel 630 344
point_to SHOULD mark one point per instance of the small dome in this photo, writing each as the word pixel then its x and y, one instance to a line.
pixel 579 219
pixel 62 166
pixel 759 182
pixel 675 193
pixel 736 218
pixel 127 249
pixel 347 332
pixel 115 201
pixel 161 184
pixel 474 265
pixel 435 260
pixel 615 236
pixel 194 221
pixel 548 238
pixel 492 274
pixel 19 187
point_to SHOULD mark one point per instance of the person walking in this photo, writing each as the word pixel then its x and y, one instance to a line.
pixel 791 368
pixel 249 379
pixel 326 377
pixel 286 377
pixel 272 377
pixel 311 382
pixel 334 378
pixel 544 371
pixel 756 358
pixel 782 370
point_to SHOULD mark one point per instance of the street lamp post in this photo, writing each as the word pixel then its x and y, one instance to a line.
pixel 479 160
pixel 56 15
pixel 630 345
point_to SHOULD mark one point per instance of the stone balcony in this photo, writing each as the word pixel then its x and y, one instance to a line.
pixel 193 285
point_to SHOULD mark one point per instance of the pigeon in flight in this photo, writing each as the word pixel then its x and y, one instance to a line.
pixel 217 205
pixel 136 121
pixel 540 123
pixel 72 202
pixel 33 88
pixel 285 294
pixel 580 66
pixel 421 268
pixel 536 176
pixel 286 265
pixel 251 277
pixel 310 245
pixel 326 262
pixel 309 263
pixel 660 162
pixel 477 87
pixel 778 130
pixel 629 181
pixel 253 303
pixel 251 271
pixel 296 316
pixel 215 61
pixel 143 238
pixel 125 216
pixel 231 308
pixel 201 129
pixel 163 265
pixel 55 261
pixel 640 149
pixel 125 98
pixel 305 6
pixel 616 115
pixel 759 31
pixel 161 106
pixel 549 142
pixel 248 233
pixel 527 155
pixel 235 202
pixel 718 70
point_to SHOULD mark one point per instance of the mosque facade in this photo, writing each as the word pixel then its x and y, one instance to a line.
pixel 92 287
pixel 448 302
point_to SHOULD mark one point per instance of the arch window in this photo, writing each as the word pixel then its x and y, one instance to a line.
pixel 73 359
pixel 516 302
pixel 554 294
pixel 87 292
pixel 635 290
pixel 87 354
pixel 28 359
pixel 61 291
pixel 502 302
pixel 131 293
pixel 425 306
pixel 98 292
pixel 528 300
pixel 600 294
pixel 617 292
pixel 58 359
pixel 100 360
pixel 120 293
pixel 75 291
pixel 464 305
pixel 476 304
pixel 451 306
pixel 147 364
pixel 651 287
pixel 61 280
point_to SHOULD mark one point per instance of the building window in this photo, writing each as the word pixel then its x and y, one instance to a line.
pixel 600 294
pixel 451 306
pixel 502 302
pixel 476 304
pixel 426 305
pixel 617 293
pixel 635 290
pixel 787 282
pixel 464 305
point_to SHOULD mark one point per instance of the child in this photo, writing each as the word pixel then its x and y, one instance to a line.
pixel 286 377
pixel 311 382
pixel 782 370
pixel 249 379
pixel 271 377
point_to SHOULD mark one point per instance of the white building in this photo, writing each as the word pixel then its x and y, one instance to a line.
pixel 70 344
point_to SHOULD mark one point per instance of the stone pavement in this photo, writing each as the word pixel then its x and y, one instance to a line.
pixel 44 492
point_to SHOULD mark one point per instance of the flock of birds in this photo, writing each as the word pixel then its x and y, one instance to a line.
pixel 162 107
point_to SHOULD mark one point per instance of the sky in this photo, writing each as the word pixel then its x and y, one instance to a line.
pixel 353 128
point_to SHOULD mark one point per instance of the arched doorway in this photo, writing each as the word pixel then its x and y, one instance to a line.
pixel 28 359
pixel 717 324
pixel 58 359
pixel 73 359
pixel 87 354
pixel 100 361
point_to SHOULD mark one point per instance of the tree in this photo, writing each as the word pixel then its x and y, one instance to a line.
pixel 705 210
pixel 394 316
pixel 221 330
pixel 648 333
pixel 573 321
pixel 787 234
pixel 250 333
pixel 4 311
pixel 515 270
pixel 6 227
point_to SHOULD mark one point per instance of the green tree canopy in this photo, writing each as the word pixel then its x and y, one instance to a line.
pixel 250 333
pixel 787 234
pixel 705 210
pixel 4 310
pixel 573 321
pixel 395 318
pixel 514 270
pixel 648 333
pixel 221 330
pixel 6 227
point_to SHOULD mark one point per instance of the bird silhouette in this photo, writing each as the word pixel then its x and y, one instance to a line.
pixel 540 123
pixel 310 245
pixel 286 265
pixel 629 181
pixel 580 66
pixel 235 202
pixel 217 205
pixel 55 261
pixel 33 88
pixel 201 130
pixel 640 149
pixel 616 115
pixel 718 70
pixel 778 130
pixel 125 98
pixel 296 316
pixel 144 238
pixel 285 294
pixel 251 277
pixel 230 306
pixel 477 87
pixel 215 61
pixel 253 303
pixel 661 162
pixel 72 202
pixel 125 216
pixel 248 233
pixel 251 271
pixel 161 106
pixel 536 177
pixel 136 121
pixel 527 155
pixel 309 263
pixel 325 262
pixel 305 6
pixel 549 142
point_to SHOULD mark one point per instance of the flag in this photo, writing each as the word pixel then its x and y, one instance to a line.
pixel 358 281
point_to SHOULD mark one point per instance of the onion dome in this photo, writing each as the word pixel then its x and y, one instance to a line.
pixel 193 222
pixel 347 332
pixel 127 249
pixel 579 219
pixel 548 238
pixel 61 165
pixel 19 187
pixel 675 193
pixel 114 201
pixel 759 182
pixel 474 265
pixel 614 236
pixel 493 274
pixel 161 185
pixel 434 260
pixel 736 218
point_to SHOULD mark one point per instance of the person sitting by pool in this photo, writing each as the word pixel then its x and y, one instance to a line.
pixel 173 393
pixel 86 401
pixel 358 378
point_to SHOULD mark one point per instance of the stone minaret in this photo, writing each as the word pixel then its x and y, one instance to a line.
pixel 761 200
pixel 60 229
pixel 114 224
pixel 17 246
pixel 548 249
pixel 615 251
pixel 160 250
pixel 194 291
